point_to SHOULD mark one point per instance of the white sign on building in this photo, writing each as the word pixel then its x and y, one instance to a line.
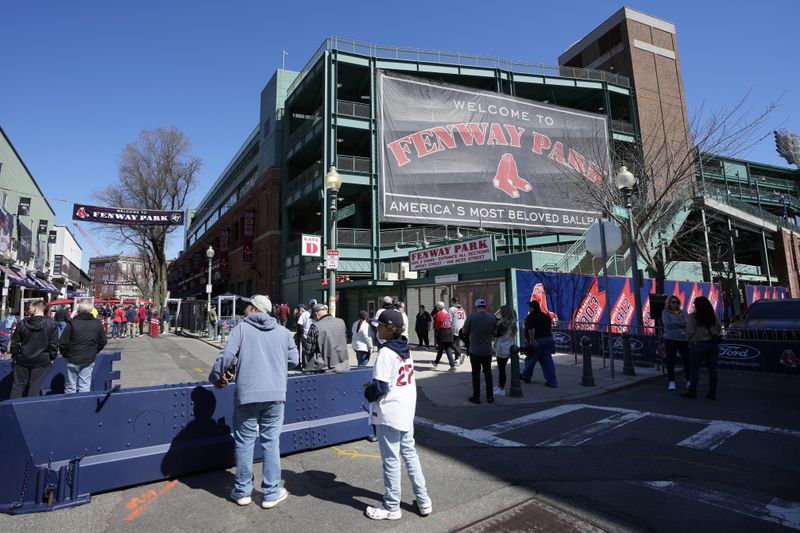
pixel 457 253
pixel 311 246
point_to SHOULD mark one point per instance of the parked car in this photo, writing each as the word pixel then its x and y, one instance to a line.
pixel 769 320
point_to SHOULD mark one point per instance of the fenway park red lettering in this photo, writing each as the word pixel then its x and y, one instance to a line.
pixel 454 254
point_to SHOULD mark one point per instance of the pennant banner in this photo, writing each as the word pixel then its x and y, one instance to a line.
pixel 248 232
pixel 126 217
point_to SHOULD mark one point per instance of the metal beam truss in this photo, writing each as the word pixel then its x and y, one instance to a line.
pixel 56 451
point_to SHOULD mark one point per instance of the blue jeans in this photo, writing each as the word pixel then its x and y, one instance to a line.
pixel 115 329
pixel 79 378
pixel 363 357
pixel 61 327
pixel 393 444
pixel 446 347
pixel 544 355
pixel 248 420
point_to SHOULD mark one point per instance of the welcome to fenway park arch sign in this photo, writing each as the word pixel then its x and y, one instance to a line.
pixel 460 156
pixel 126 217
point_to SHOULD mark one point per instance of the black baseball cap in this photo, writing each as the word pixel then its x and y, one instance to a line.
pixel 389 317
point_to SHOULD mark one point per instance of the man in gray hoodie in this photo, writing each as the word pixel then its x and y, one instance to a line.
pixel 264 350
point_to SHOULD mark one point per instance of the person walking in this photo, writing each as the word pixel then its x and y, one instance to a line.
pixel 705 333
pixel 283 314
pixel 458 316
pixel 34 347
pixel 165 319
pixel 62 317
pixel 79 344
pixel 479 330
pixel 362 340
pixel 325 348
pixel 539 336
pixel 443 335
pixel 675 340
pixel 506 336
pixel 422 326
pixel 264 350
pixel 393 399
pixel 141 319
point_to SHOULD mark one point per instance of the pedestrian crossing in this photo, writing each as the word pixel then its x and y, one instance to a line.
pixel 711 435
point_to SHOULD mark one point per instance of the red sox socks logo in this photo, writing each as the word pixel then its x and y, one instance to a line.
pixel 507 178
pixel 81 212
pixel 789 359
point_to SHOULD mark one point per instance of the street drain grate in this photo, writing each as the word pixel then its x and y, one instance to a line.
pixel 533 515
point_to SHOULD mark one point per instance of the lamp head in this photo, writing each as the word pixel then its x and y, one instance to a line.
pixel 210 252
pixel 332 179
pixel 624 179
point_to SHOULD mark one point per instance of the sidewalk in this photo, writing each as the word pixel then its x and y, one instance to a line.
pixel 445 389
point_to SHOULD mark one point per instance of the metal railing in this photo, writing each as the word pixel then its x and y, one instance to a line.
pixel 623 126
pixel 353 109
pixel 307 126
pixel 452 58
pixel 575 253
pixel 305 177
pixel 722 196
pixel 353 163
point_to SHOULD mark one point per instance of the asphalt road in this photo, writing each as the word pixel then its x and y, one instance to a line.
pixel 640 459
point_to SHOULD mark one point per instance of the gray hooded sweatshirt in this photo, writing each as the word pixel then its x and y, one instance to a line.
pixel 265 351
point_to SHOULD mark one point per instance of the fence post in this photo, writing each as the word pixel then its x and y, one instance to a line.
pixel 627 360
pixel 515 391
pixel 586 350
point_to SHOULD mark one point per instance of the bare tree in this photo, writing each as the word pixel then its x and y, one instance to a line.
pixel 665 167
pixel 155 172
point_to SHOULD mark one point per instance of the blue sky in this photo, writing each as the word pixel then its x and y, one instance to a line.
pixel 80 80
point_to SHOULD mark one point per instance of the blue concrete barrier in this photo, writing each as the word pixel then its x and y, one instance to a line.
pixel 103 375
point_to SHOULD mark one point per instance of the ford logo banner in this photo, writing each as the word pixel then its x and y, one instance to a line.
pixel 561 339
pixel 738 351
pixel 635 344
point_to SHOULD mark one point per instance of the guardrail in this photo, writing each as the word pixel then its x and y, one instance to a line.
pixel 353 109
pixel 308 124
pixel 308 175
pixel 354 163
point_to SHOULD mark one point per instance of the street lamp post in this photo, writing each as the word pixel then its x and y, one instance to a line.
pixel 333 181
pixel 625 182
pixel 210 256
pixel 7 263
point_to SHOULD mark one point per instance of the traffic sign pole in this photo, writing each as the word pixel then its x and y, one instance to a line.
pixel 607 309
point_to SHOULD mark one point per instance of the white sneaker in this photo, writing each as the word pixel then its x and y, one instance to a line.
pixel 499 392
pixel 269 504
pixel 379 513
pixel 425 509
pixel 244 500
pixel 671 385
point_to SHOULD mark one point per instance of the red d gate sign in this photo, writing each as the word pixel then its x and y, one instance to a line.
pixel 311 246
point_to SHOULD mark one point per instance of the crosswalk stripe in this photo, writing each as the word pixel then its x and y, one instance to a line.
pixel 476 435
pixel 578 436
pixel 508 425
pixel 712 436
pixel 779 511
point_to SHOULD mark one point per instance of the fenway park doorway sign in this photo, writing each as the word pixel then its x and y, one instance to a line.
pixel 126 217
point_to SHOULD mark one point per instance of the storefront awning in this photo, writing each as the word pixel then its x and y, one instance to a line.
pixel 29 281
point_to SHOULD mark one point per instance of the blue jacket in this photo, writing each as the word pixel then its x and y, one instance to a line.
pixel 265 350
pixel 674 325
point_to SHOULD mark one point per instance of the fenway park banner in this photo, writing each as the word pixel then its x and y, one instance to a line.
pixel 461 156
pixel 126 217
pixel 754 293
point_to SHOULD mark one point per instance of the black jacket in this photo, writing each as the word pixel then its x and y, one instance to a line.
pixel 35 342
pixel 82 339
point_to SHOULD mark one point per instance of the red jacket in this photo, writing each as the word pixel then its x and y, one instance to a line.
pixel 119 315
pixel 442 320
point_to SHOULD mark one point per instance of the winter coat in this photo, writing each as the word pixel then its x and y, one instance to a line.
pixel 82 339
pixel 362 341
pixel 35 342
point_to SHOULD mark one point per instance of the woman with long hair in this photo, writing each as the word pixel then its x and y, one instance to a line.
pixel 704 331
pixel 675 341
pixel 362 340
pixel 506 336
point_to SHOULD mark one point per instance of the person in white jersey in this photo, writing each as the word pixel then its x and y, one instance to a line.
pixel 458 316
pixel 393 400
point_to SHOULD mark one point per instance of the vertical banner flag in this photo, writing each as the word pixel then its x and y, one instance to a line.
pixel 42 226
pixel 52 237
pixel 57 264
pixel 24 208
pixel 6 230
pixel 458 155
pixel 248 232
pixel 223 250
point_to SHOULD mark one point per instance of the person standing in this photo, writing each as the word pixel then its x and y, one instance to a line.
pixel 62 317
pixel 165 320
pixel 362 340
pixel 141 319
pixel 705 332
pixel 393 399
pixel 6 329
pixel 131 317
pixel 479 329
pixel 265 350
pixel 212 322
pixel 154 323
pixel 458 316
pixel 388 303
pixel 34 347
pixel 119 316
pixel 400 306
pixel 283 314
pixel 675 340
pixel 506 337
pixel 325 348
pixel 422 326
pixel 443 335
pixel 80 343
pixel 538 334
